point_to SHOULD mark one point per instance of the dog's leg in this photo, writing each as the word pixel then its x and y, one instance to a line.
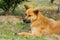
pixel 23 34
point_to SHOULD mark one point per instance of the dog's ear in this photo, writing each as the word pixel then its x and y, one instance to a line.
pixel 26 7
pixel 36 11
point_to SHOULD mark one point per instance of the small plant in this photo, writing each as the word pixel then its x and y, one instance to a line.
pixel 6 5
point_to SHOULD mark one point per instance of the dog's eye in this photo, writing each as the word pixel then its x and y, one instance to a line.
pixel 29 15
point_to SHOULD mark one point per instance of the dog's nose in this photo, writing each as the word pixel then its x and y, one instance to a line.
pixel 24 20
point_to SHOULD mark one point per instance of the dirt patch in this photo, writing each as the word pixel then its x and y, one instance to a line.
pixel 10 19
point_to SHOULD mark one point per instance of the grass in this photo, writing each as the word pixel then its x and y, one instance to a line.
pixel 7 29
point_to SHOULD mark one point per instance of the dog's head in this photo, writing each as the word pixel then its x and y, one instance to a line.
pixel 30 14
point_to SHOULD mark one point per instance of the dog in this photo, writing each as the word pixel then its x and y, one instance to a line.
pixel 40 24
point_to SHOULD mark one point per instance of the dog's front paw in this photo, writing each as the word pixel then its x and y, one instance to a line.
pixel 18 34
pixel 15 33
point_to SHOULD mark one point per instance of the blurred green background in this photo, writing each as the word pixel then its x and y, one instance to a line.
pixel 12 23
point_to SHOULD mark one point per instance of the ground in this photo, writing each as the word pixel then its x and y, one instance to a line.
pixel 9 27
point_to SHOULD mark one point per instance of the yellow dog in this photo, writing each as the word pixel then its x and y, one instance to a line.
pixel 40 24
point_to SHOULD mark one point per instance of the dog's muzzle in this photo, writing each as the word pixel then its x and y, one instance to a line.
pixel 26 21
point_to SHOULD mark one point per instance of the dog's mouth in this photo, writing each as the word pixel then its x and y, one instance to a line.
pixel 26 21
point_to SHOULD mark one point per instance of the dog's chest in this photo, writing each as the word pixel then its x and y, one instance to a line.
pixel 35 30
pixel 40 29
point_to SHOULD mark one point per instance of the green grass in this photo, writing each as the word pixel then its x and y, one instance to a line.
pixel 11 37
pixel 8 28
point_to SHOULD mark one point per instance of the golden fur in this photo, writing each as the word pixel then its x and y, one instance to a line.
pixel 40 24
